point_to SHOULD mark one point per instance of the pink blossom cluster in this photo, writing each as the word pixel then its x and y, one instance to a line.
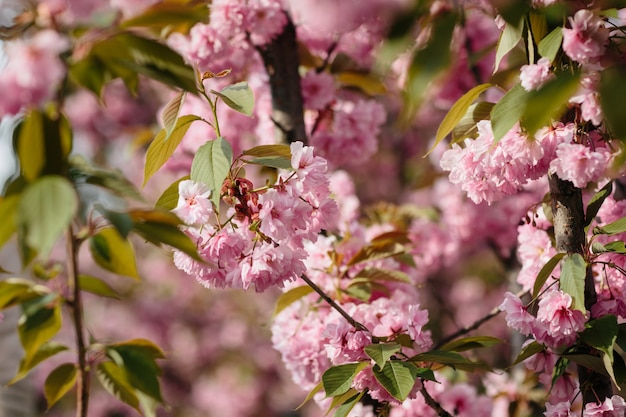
pixel 556 322
pixel 585 40
pixel 223 42
pixel 349 137
pixel 533 76
pixel 22 80
pixel 262 244
pixel 611 407
pixel 488 172
pixel 312 337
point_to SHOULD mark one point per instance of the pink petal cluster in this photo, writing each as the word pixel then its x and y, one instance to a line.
pixel 610 407
pixel 533 76
pixel 556 322
pixel 352 137
pixel 33 72
pixel 264 245
pixel 585 40
pixel 488 172
pixel 318 89
pixel 579 163
pixel 194 206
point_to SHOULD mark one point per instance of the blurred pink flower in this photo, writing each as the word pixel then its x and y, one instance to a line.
pixel 585 40
pixel 533 76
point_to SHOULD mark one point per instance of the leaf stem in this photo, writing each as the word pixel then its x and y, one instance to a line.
pixel 82 381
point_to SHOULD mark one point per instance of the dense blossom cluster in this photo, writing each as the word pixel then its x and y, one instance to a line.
pixel 261 243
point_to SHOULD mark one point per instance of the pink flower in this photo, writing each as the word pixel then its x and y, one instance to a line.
pixel 611 407
pixel 585 40
pixel 318 89
pixel 579 164
pixel 265 20
pixel 517 317
pixel 33 73
pixel 534 76
pixel 194 206
pixel 556 317
pixel 562 409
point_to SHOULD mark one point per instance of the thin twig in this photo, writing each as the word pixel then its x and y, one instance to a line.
pixel 82 380
pixel 430 401
pixel 493 313
pixel 333 304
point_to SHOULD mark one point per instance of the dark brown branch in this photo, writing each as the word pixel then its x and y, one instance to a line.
pixel 281 61
pixel 463 331
pixel 82 379
pixel 569 223
pixel 334 305
pixel 430 401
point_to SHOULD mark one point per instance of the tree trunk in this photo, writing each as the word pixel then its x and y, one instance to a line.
pixel 569 223
pixel 281 61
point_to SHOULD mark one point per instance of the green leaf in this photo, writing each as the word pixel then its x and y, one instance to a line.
pixel 113 253
pixel 121 221
pixel 429 61
pixel 138 360
pixel 17 290
pixel 596 202
pixel 211 166
pixel 59 382
pixel 466 128
pixel 47 208
pixel 238 97
pixel 611 91
pixel 289 297
pixel 529 350
pixel 380 249
pixel 559 369
pixel 144 346
pixel 115 380
pixel 347 406
pixel 456 113
pixel 169 115
pixel 169 199
pixel 508 111
pixel 371 274
pixel 92 73
pixel 550 45
pixel 426 374
pixel 96 286
pixel 164 145
pixel 549 102
pixel 337 380
pixel 169 16
pixel 397 377
pixel 572 280
pixel 592 362
pixel 617 247
pixel 40 322
pixel 447 358
pixel 342 399
pixel 8 213
pixel 310 395
pixel 161 233
pixel 613 228
pixel 272 162
pixel 473 342
pixel 509 39
pixel 111 180
pixel 31 145
pixel 45 351
pixel 381 352
pixel 545 272
pixel 601 334
pixel 265 151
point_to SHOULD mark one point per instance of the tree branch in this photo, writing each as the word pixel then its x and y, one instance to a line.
pixel 82 379
pixel 334 305
pixel 430 401
pixel 281 61
pixel 569 232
